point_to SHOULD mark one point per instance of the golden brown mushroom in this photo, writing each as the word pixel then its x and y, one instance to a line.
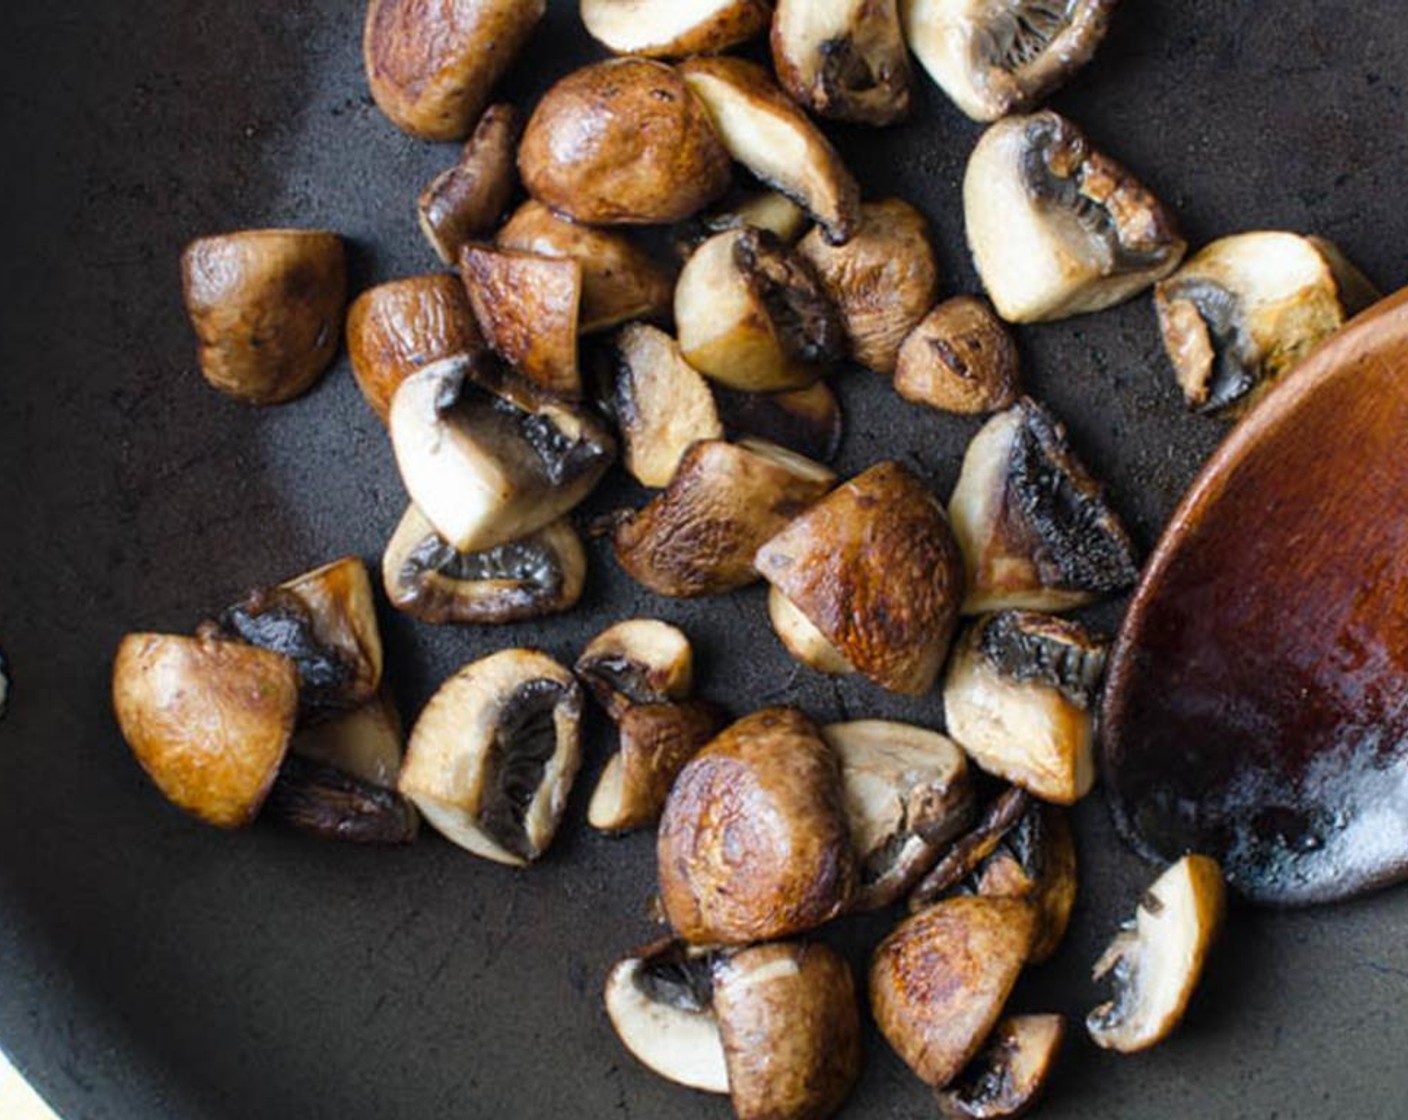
pixel 960 358
pixel 844 59
pixel 1007 1078
pixel 465 202
pixel 639 661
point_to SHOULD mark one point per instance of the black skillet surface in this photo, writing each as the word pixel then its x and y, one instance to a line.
pixel 152 967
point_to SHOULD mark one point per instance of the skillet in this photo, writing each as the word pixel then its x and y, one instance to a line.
pixel 152 967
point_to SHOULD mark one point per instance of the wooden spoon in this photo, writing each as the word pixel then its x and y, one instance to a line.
pixel 1257 704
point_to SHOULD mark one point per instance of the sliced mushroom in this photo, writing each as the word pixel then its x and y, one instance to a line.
pixel 960 358
pixel 673 28
pixel 639 661
pixel 875 568
pixel 366 743
pixel 807 421
pixel 907 795
pixel 844 59
pixel 801 638
pixel 764 130
pixel 465 202
pixel 620 281
pixel 527 307
pixel 1035 528
pixel 540 574
pixel 328 802
pixel 790 1025
pixel 994 57
pixel 938 983
pixel 661 1003
pixel 1057 228
pixel 1020 697
pixel 623 142
pixel 325 623
pixel 397 328
pixel 1007 1078
pixel 752 315
pixel 432 66
pixel 494 754
pixel 964 857
pixel 1249 308
pixel 1155 965
pixel 267 307
pixel 656 740
pixel 209 721
pixel 766 210
pixel 883 280
pixel 661 403
pixel 754 843
pixel 491 465
pixel 699 536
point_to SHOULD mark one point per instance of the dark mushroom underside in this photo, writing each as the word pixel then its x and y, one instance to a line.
pixel 524 743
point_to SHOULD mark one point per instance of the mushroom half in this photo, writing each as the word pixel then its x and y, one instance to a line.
pixel 994 57
pixel 1247 309
pixel 494 754
pixel 1007 1078
pixel 844 59
pixel 639 661
pixel 960 358
pixel 673 28
pixel 540 574
pixel 1155 966
pixel 1057 228
pixel 465 202
pixel 1035 527
pixel 1019 696
pixel 490 463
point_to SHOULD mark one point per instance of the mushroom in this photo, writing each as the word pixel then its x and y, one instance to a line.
pixel 623 142
pixel 967 854
pixel 432 66
pixel 800 637
pixel 325 623
pixel 1035 528
pixel 1155 965
pixel 656 740
pixel 1007 1078
pixel 328 802
pixel 807 421
pixel 539 574
pixel 1057 228
pixel 620 282
pixel 661 403
pixel 699 536
pixel 465 202
pixel 790 1026
pixel 209 720
pixel 844 59
pixel 752 315
pixel 766 210
pixel 883 280
pixel 489 464
pixel 960 358
pixel 1249 308
pixel 660 1002
pixel 494 754
pixel 639 661
pixel 764 130
pixel 266 305
pixel 754 843
pixel 994 57
pixel 907 795
pixel 1020 697
pixel 397 328
pixel 527 308
pixel 875 569
pixel 673 28
pixel 938 983
pixel 366 743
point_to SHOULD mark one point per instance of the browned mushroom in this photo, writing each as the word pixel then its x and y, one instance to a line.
pixel 623 142
pixel 328 802
pixel 807 421
pixel 938 983
pixel 875 568
pixel 673 28
pixel 699 536
pixel 397 328
pixel 432 67
pixel 767 210
pixel 960 358
pixel 639 661
pixel 366 743
pixel 966 855
pixel 844 59
pixel 754 843
pixel 883 280
pixel 267 308
pixel 1007 1078
pixel 465 202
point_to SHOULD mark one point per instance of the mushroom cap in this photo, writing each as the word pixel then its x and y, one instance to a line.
pixel 464 202
pixel 1007 1078
pixel 875 568
pixel 960 358
pixel 638 661
pixel 843 59
pixel 673 28
pixel 754 843
pixel 209 721
pixel 623 142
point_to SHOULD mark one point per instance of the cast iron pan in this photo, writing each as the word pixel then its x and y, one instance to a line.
pixel 150 966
